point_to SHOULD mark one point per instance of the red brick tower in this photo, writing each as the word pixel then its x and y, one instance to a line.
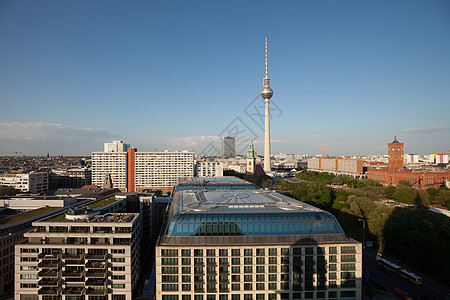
pixel 395 156
pixel 130 169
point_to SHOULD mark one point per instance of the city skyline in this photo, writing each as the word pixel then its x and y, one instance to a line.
pixel 346 75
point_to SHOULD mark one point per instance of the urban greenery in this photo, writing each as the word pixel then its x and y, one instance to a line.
pixel 395 216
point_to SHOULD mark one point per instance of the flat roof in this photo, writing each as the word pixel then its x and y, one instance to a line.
pixel 244 217
pixel 221 179
pixel 107 218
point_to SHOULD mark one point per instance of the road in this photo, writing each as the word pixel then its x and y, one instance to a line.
pixel 430 290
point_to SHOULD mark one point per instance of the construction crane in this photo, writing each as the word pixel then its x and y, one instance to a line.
pixel 325 149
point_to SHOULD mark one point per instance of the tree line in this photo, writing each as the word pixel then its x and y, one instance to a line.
pixel 409 234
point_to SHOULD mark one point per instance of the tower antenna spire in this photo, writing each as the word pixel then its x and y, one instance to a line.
pixel 266 59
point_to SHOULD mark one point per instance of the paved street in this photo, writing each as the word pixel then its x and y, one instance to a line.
pixel 430 290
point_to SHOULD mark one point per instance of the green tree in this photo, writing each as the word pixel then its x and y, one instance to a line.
pixel 405 194
pixel 442 197
pixel 389 191
pixel 405 183
pixel 423 198
pixel 7 191
pixel 432 192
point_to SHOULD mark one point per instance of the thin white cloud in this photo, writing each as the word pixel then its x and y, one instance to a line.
pixel 193 140
pixel 426 129
pixel 32 131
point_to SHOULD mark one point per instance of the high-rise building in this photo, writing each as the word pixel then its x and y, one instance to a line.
pixel 80 258
pixel 254 244
pixel 134 171
pixel 266 94
pixel 209 168
pixel 228 147
pixel 116 146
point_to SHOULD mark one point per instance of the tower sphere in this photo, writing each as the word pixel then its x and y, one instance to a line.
pixel 266 92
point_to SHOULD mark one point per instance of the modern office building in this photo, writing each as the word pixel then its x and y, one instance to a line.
pixel 225 183
pixel 34 182
pixel 209 168
pixel 254 244
pixel 70 178
pixel 338 166
pixel 116 146
pixel 228 147
pixel 75 256
pixel 132 171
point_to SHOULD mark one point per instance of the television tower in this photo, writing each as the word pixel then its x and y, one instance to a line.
pixel 266 93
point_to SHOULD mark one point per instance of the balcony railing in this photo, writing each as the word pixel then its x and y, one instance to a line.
pixel 95 265
pixel 50 283
pixel 96 282
pixel 52 264
pixel 73 256
pixel 76 274
pixel 49 273
pixel 49 291
pixel 96 274
pixel 96 256
pixel 73 291
pixel 99 292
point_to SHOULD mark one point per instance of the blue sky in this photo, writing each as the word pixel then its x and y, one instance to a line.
pixel 176 74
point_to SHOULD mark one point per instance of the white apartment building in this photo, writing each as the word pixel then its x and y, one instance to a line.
pixel 112 163
pixel 162 170
pixel 34 182
pixel 116 146
pixel 95 258
pixel 209 169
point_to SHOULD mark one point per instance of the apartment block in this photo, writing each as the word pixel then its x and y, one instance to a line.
pixel 34 182
pixel 71 257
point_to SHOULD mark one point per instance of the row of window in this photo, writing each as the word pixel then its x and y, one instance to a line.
pixel 258 251
pixel 250 278
pixel 257 269
pixel 306 295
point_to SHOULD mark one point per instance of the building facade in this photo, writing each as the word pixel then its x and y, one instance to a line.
pixel 395 171
pixel 338 166
pixel 34 182
pixel 209 168
pixel 115 146
pixel 228 147
pixel 66 258
pixel 232 245
pixel 132 171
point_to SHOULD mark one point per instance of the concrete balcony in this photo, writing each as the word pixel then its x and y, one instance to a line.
pixel 72 256
pixel 96 282
pixel 98 292
pixel 51 283
pixel 73 291
pixel 96 274
pixel 50 264
pixel 49 291
pixel 73 274
pixel 49 273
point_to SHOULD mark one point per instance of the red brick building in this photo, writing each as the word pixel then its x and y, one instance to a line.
pixel 395 171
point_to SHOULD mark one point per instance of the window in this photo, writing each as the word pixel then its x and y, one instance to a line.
pixel 272 277
pixel 320 250
pixel 332 267
pixel 332 258
pixel 118 259
pixel 333 250
pixel 332 275
pixel 260 286
pixel 235 252
pixel 248 278
pixel 273 269
pixel 198 252
pixel 235 269
pixel 260 260
pixel 185 252
pixel 185 287
pixel 260 277
pixel 297 251
pixel 248 287
pixel 248 269
pixel 346 267
pixel 285 260
pixel 223 252
pixel 210 252
pixel 348 258
pixel 272 286
pixel 235 261
pixel 284 251
pixel 260 252
pixel 185 261
pixel 348 275
pixel 169 252
pixel 235 286
pixel 248 252
pixel 309 251
pixel 122 286
pixel 186 278
pixel 169 261
pixel 272 251
pixel 348 249
pixel 259 296
pixel 272 260
pixel 186 270
pixel 348 294
pixel 248 261
pixel 260 269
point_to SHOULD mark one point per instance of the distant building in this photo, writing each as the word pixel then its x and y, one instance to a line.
pixel 34 182
pixel 338 166
pixel 228 147
pixel 251 158
pixel 395 171
pixel 132 171
pixel 209 168
pixel 25 203
pixel 116 146
pixel 70 178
